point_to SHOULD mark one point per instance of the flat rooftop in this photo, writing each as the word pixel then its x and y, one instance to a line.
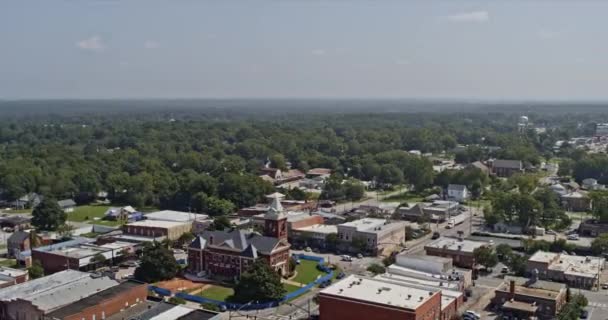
pixel 57 290
pixel 424 257
pixel 156 224
pixel 397 273
pixel 319 228
pixel 365 224
pixel 580 266
pixel 178 216
pixel 379 292
pixel 10 272
pixel 454 244
pixel 94 299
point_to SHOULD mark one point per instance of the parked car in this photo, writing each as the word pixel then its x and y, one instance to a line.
pixel 359 256
pixel 605 285
pixel 470 314
pixel 347 258
pixel 584 314
pixel 340 275
pixel 436 235
pixel 573 237
pixel 308 249
pixel 504 270
pixel 551 232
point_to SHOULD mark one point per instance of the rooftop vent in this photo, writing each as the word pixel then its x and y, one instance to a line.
pixel 409 296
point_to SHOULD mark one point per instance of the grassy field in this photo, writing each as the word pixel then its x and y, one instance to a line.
pixel 8 263
pixel 218 293
pixel 307 272
pixel 17 211
pixel 290 287
pixel 88 213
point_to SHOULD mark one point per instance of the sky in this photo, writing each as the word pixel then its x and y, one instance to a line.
pixel 496 50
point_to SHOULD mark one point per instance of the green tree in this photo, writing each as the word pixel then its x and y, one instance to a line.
pixel 157 263
pixel 390 174
pixel 503 251
pixel 177 300
pixel 353 190
pixel 98 259
pixel 486 257
pixel 259 283
pixel 278 161
pixel 65 231
pixel 36 270
pixel 185 238
pixel 48 216
pixel 376 268
pixel 599 245
pixel 221 223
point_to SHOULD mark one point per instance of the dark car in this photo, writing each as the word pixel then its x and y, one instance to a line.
pixel 341 275
pixel 584 314
pixel 436 235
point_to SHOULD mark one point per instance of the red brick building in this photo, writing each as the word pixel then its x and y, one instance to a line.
pixel 227 254
pixel 365 298
pixel 104 303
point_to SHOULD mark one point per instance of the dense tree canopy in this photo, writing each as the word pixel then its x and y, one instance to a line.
pixel 157 263
pixel 48 215
pixel 259 283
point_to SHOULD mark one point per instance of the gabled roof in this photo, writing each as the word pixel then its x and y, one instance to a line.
pixel 18 236
pixel 509 164
pixel 66 203
pixel 198 243
pixel 236 240
pixel 457 187
pixel 250 252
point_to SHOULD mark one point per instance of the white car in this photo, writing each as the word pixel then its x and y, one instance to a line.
pixel 573 237
pixel 347 258
pixel 470 314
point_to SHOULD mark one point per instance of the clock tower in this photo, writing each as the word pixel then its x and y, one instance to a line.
pixel 276 219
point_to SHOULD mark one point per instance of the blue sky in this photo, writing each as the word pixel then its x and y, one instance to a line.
pixel 308 48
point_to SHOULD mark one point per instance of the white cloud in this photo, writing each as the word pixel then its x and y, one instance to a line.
pixel 547 34
pixel 151 44
pixel 318 52
pixel 94 43
pixel 479 16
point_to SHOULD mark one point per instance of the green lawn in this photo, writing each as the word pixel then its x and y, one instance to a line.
pixel 88 213
pixel 8 263
pixel 17 211
pixel 218 293
pixel 290 287
pixel 307 272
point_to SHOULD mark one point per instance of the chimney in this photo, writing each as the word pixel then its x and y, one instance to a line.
pixel 512 288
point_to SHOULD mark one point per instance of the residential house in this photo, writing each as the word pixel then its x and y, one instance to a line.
pixel 29 200
pixel 67 205
pixel 506 168
pixel 323 173
pixel 479 165
pixel 458 192
pixel 15 222
pixel 127 213
pixel 20 241
pixel 436 211
pixel 577 201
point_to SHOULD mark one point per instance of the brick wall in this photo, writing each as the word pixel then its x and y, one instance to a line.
pixel 114 305
pixel 312 220
pixel 52 263
pixel 335 308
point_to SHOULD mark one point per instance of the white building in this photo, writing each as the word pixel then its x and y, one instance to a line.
pixel 458 192
pixel 379 234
